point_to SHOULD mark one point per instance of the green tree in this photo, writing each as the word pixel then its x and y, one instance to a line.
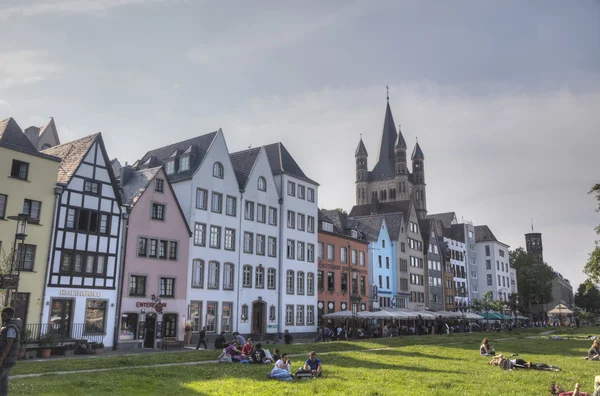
pixel 342 211
pixel 487 302
pixel 534 279
pixel 588 297
pixel 513 304
pixel 592 267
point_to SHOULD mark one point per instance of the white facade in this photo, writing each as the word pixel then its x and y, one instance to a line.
pixel 83 277
pixel 457 252
pixel 298 242
pixel 494 269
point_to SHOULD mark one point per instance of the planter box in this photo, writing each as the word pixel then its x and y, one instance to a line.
pixel 45 352
pixel 69 352
pixel 99 351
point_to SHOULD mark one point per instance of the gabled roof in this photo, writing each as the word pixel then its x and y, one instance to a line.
pixel 71 154
pixel 484 234
pixel 11 133
pixel 446 218
pixel 384 168
pixel 417 152
pixel 426 226
pixel 243 163
pixel 458 232
pixel 136 184
pixel 381 208
pixel 202 144
pixel 282 162
pixel 361 149
pixel 370 226
pixel 50 127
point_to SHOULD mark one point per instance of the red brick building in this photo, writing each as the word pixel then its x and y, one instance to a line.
pixel 343 266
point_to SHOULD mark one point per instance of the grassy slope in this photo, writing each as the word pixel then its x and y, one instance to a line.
pixel 415 365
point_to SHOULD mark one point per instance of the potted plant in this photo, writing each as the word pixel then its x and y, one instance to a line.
pixel 68 350
pixel 98 347
pixel 25 338
pixel 47 342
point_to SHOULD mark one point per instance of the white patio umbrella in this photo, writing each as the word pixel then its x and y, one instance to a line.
pixel 560 309
pixel 339 315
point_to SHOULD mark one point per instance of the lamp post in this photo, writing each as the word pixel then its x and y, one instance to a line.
pixel 22 220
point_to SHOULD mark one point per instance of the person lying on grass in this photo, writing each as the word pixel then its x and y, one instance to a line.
pixel 557 390
pixel 486 349
pixel 507 364
pixel 594 351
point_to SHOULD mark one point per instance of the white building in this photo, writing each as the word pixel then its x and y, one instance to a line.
pixel 84 264
pixel 495 274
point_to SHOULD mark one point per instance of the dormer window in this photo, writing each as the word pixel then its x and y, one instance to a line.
pixel 170 167
pixel 354 234
pixel 262 184
pixel 218 170
pixel 184 164
pixel 327 227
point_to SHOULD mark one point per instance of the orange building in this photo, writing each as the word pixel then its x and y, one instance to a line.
pixel 343 265
pixel 449 290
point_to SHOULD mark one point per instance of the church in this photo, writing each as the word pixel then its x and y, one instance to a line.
pixel 390 180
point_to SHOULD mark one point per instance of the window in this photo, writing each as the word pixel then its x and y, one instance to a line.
pixel 27 259
pixel 330 252
pixel 363 285
pixel 289 284
pixel 218 170
pixel 248 242
pixel 19 170
pixel 162 249
pixel 344 283
pixel 172 250
pixel 213 275
pixel 310 252
pixel 137 285
pixel 184 163
pixel 291 188
pixel 259 282
pixel 301 191
pixel 362 259
pixel 383 243
pixel 230 205
pixel 3 199
pixel 291 219
pixel 487 250
pixel 289 314
pixel 402 247
pixel 354 256
pixel 310 284
pixel 153 248
pixel 261 213
pixel 300 288
pixel 91 187
pixel 170 167
pixel 272 247
pixel 100 261
pixel 497 265
pixel 103 224
pixel 489 279
pixel 158 211
pixel 229 239
pixel 271 278
pixel 249 212
pixel 414 227
pixel 260 244
pixel 387 262
pixel 501 252
pixel 129 323
pixel 167 287
pixel 211 316
pixel 299 315
pixel 199 234
pixel 216 202
pixel 387 282
pixel 343 254
pixel 247 276
pixel 330 281
pixel 159 185
pixel 142 247
pixel 379 261
pixel 272 216
pixel 272 313
pixel 228 274
pixel 201 198
pixel 311 195
pixel 403 265
pixel 310 315
pixel 311 224
pixel 215 237
pixel 32 208
pixel 196 315
pixel 327 227
pixel 498 280
pixel 198 274
pixel 488 264
pixel 321 250
pixel 291 247
pixel 262 184
pixel 380 282
pixel 301 222
pixel 300 255
pixel 320 281
pixel 244 314
pixel 95 317
pixel 226 315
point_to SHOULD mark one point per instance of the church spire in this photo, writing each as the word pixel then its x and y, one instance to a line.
pixel 361 150
pixel 400 143
pixel 385 161
pixel 417 152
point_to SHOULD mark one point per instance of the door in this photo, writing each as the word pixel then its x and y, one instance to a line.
pixel 150 331
pixel 22 307
pixel 258 318
pixel 61 317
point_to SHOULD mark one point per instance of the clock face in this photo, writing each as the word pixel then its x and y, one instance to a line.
pixel 363 307
pixel 330 305
pixel 320 305
pixel 344 306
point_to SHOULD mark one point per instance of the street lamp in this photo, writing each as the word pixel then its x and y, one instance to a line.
pixel 22 220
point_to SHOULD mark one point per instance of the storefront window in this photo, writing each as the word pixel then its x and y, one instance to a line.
pixel 211 316
pixel 226 317
pixel 196 315
pixel 170 325
pixel 95 316
pixel 129 323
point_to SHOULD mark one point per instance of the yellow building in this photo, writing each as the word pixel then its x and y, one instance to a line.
pixel 27 186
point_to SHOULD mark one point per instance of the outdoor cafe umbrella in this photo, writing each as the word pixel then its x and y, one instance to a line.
pixel 339 315
pixel 561 309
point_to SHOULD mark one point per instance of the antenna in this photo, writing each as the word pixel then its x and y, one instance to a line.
pixel 531 224
pixel 387 90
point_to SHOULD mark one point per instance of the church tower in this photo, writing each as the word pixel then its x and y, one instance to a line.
pixel 418 160
pixel 402 186
pixel 362 172
pixel 533 243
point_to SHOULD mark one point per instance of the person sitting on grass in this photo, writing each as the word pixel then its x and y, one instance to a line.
pixel 259 356
pixel 248 349
pixel 276 355
pixel 313 365
pixel 594 351
pixel 220 342
pixel 282 369
pixel 486 349
pixel 233 350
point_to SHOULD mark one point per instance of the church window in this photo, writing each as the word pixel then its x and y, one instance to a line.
pixel 418 195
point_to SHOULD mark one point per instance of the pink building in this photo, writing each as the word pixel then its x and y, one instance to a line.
pixel 153 298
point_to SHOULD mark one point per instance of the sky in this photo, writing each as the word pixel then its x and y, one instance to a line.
pixel 503 97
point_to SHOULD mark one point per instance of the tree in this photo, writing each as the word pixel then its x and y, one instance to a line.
pixel 534 279
pixel 497 306
pixel 592 267
pixel 513 303
pixel 342 211
pixel 486 303
pixel 588 297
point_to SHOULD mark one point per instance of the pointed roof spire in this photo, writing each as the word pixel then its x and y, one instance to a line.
pixel 387 93
pixel 417 152
pixel 400 143
pixel 361 149
pixel 385 162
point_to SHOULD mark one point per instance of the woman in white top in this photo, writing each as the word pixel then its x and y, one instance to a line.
pixel 282 368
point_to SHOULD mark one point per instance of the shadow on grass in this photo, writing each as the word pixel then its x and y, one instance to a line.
pixel 400 353
pixel 351 362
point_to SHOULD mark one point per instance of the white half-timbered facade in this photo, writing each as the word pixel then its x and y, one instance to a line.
pixel 83 274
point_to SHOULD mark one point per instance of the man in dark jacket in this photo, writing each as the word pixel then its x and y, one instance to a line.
pixel 10 335
pixel 202 339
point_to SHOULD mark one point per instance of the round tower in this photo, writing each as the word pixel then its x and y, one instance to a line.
pixel 362 172
pixel 418 168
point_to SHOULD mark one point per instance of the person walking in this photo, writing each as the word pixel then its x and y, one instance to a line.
pixel 202 339
pixel 10 335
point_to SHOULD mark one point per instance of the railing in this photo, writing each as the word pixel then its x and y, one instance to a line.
pixel 62 333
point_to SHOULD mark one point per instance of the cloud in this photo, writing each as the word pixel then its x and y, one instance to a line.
pixel 21 8
pixel 5 103
pixel 25 67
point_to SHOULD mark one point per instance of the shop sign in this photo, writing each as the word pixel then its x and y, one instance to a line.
pixel 159 306
pixel 80 293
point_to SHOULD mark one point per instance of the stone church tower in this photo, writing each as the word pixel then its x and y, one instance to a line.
pixel 390 180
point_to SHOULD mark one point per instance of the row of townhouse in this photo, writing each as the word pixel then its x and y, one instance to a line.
pixel 128 255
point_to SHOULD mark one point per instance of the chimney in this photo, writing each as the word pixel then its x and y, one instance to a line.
pixel 126 173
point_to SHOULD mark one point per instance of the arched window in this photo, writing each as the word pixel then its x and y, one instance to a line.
pixel 228 276
pixel 213 275
pixel 259 283
pixel 272 313
pixel 218 170
pixel 244 312
pixel 262 184
pixel 271 278
pixel 247 278
pixel 198 273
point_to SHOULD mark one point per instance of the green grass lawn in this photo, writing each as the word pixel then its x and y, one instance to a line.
pixel 432 365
